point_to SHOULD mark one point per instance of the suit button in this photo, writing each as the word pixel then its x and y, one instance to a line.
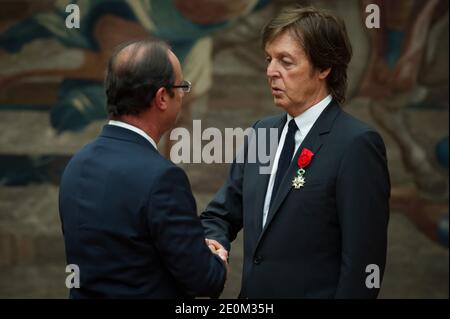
pixel 257 260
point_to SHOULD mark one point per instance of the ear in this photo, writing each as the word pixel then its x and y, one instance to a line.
pixel 324 73
pixel 160 99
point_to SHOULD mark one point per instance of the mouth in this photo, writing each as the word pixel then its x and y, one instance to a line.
pixel 276 90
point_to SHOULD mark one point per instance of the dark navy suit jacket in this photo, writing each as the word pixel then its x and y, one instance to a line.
pixel 318 240
pixel 130 223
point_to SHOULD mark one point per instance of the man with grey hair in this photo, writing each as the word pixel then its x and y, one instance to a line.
pixel 316 225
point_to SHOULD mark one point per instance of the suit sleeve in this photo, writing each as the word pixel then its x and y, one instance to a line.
pixel 179 236
pixel 362 200
pixel 223 217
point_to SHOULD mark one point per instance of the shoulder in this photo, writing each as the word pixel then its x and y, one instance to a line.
pixel 154 168
pixel 348 128
pixel 142 163
pixel 352 123
pixel 355 140
pixel 168 171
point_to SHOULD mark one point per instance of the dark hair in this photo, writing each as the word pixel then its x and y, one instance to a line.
pixel 135 72
pixel 324 39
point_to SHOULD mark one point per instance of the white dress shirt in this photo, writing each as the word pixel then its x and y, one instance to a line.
pixel 304 122
pixel 134 129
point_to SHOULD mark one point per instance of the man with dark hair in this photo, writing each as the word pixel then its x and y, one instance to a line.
pixel 316 227
pixel 128 215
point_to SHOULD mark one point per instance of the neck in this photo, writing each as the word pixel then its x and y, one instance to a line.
pixel 297 110
pixel 141 122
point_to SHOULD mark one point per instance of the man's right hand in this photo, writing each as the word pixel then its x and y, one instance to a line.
pixel 217 249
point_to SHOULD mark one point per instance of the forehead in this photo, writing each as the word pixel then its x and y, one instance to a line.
pixel 284 43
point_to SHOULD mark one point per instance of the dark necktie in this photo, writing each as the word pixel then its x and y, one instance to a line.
pixel 285 157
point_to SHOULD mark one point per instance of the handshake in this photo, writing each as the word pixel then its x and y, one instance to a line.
pixel 217 249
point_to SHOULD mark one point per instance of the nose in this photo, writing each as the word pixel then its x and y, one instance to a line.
pixel 271 70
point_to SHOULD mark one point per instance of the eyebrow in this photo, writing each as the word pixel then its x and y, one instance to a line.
pixel 282 53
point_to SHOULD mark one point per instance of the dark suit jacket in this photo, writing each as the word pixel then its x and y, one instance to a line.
pixel 319 239
pixel 130 223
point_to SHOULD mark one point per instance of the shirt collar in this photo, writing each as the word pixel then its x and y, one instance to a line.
pixel 134 129
pixel 307 119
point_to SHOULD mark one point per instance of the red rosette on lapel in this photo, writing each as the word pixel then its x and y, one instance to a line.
pixel 304 159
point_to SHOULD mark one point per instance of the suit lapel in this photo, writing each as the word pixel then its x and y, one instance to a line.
pixel 313 141
pixel 263 179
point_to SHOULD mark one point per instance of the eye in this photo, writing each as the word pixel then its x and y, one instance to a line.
pixel 286 62
pixel 268 59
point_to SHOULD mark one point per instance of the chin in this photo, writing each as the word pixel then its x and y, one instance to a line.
pixel 276 101
pixel 279 104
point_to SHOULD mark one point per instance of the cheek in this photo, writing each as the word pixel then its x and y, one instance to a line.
pixel 295 85
pixel 293 80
